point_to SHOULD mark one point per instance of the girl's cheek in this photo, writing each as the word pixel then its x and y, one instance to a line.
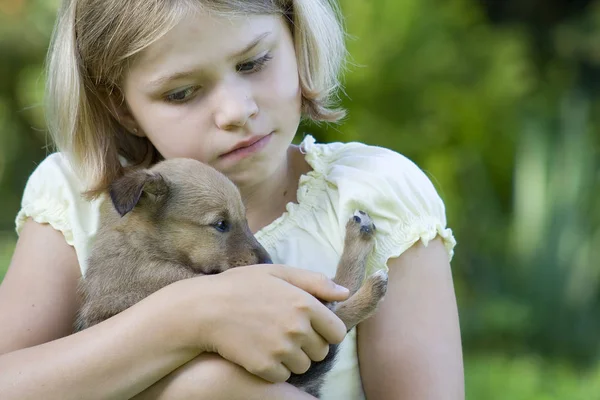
pixel 287 83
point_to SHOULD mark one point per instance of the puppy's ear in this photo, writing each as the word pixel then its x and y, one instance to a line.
pixel 126 191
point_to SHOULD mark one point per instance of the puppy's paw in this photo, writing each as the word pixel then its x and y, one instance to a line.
pixel 361 225
pixel 365 301
pixel 378 283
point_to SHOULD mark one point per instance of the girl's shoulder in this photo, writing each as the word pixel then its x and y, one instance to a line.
pixel 339 160
pixel 400 197
pixel 53 195
pixel 374 177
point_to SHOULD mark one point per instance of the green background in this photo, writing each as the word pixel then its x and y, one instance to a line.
pixel 498 102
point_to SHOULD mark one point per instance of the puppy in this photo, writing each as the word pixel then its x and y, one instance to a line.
pixel 181 219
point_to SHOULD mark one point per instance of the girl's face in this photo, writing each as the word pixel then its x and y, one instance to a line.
pixel 213 85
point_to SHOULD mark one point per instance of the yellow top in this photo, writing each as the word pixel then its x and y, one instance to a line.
pixel 399 197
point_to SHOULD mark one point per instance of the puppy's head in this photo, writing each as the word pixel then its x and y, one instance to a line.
pixel 190 214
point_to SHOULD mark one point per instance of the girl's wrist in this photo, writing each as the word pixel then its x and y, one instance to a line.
pixel 186 321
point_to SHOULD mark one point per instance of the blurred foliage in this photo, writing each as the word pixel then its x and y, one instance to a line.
pixel 497 377
pixel 498 103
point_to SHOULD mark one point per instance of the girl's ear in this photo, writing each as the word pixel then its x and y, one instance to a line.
pixel 121 112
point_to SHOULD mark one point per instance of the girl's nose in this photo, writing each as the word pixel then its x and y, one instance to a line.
pixel 235 106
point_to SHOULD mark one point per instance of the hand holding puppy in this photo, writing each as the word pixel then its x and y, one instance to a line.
pixel 266 318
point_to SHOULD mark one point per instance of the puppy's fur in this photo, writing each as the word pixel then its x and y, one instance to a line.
pixel 182 219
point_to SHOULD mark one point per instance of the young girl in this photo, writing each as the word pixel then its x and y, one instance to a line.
pixel 225 82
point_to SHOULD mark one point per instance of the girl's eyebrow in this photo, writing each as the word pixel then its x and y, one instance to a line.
pixel 251 45
pixel 159 82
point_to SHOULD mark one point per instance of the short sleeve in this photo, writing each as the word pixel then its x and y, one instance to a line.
pixel 53 195
pixel 396 193
pixel 46 198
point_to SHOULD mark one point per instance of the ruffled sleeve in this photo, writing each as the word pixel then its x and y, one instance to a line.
pixel 397 194
pixel 53 195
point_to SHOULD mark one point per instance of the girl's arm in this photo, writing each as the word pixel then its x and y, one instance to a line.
pixel 209 376
pixel 115 359
pixel 126 354
pixel 411 348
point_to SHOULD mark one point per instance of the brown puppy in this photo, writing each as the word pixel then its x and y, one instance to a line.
pixel 182 219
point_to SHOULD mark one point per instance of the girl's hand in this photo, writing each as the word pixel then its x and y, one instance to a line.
pixel 266 318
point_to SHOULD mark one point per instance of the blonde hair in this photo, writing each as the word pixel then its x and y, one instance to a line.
pixel 93 42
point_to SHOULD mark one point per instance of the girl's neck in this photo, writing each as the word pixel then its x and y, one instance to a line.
pixel 266 201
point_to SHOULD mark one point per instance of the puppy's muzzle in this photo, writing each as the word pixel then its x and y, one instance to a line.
pixel 262 256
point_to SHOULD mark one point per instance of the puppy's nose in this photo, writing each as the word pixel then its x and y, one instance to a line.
pixel 262 257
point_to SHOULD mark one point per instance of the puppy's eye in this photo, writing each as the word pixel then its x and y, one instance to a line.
pixel 222 226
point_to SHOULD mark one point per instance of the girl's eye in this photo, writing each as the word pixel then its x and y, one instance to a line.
pixel 255 65
pixel 181 95
pixel 222 226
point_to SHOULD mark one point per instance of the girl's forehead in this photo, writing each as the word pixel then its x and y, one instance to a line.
pixel 209 39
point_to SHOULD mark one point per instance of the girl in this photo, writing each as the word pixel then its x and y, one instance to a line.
pixel 225 82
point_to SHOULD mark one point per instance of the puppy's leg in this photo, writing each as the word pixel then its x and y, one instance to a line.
pixel 350 273
pixel 358 243
pixel 364 302
pixel 364 297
